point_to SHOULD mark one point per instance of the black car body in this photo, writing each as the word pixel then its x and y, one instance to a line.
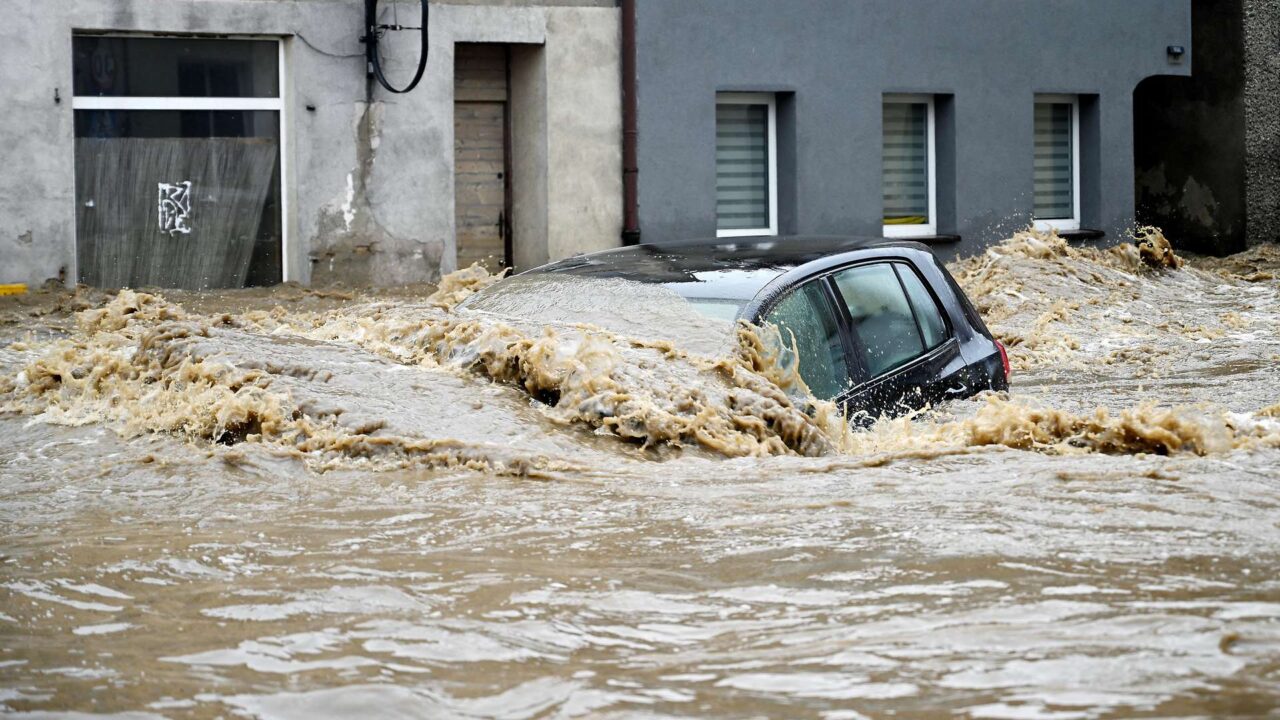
pixel 879 326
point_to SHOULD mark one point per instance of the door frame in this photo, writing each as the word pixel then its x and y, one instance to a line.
pixel 508 243
pixel 276 104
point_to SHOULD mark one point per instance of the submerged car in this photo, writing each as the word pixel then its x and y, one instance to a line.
pixel 878 326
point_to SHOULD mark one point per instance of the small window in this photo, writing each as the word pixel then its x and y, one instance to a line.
pixel 746 165
pixel 107 66
pixel 881 316
pixel 806 315
pixel 933 329
pixel 1057 162
pixel 910 186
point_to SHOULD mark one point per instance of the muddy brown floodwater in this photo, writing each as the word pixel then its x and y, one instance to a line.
pixel 296 504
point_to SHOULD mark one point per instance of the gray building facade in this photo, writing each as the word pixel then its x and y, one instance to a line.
pixel 825 72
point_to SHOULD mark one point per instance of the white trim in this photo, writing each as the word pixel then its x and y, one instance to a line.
pixel 1071 223
pixel 101 102
pixel 271 104
pixel 930 228
pixel 769 100
pixel 284 165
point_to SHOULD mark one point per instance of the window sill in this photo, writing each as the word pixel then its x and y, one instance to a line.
pixel 1082 234
pixel 928 239
pixel 755 232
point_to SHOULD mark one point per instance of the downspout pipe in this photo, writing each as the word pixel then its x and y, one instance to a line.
pixel 630 131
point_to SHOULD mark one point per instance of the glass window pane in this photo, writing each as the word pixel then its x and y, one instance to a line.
pixel 1054 162
pixel 906 164
pixel 881 316
pixel 804 315
pixel 172 198
pixel 935 330
pixel 175 67
pixel 742 167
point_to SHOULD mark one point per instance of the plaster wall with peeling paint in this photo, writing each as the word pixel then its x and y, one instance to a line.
pixel 369 187
pixel 1262 119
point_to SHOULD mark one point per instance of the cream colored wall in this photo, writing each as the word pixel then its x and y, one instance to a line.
pixel 584 131
pixel 529 155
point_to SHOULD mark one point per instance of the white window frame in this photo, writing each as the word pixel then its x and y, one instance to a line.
pixel 1073 222
pixel 276 104
pixel 770 100
pixel 930 228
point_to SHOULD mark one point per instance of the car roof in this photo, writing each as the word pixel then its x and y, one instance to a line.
pixel 730 268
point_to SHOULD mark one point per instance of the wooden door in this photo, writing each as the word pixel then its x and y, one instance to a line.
pixel 482 178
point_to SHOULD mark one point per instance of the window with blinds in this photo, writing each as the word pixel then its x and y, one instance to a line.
pixel 907 165
pixel 745 164
pixel 1055 161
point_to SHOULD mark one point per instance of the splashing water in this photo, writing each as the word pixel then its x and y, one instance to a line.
pixel 307 504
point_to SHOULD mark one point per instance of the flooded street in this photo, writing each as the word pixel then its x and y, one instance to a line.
pixel 303 504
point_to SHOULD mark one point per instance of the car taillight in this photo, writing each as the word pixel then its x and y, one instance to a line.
pixel 1004 359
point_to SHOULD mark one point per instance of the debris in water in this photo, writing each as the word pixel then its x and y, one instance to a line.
pixel 983 551
pixel 1028 425
pixel 1155 250
pixel 1057 305
pixel 143 364
pixel 461 284
pixel 1260 263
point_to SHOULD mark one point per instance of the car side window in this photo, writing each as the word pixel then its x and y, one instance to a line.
pixel 931 324
pixel 881 316
pixel 807 316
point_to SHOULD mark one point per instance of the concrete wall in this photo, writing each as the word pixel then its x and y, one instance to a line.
pixel 1190 139
pixel 1208 146
pixel 584 109
pixel 370 184
pixel 1262 118
pixel 835 59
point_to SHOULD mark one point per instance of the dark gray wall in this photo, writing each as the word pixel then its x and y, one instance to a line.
pixel 836 58
pixel 1190 140
pixel 1208 146
pixel 1262 118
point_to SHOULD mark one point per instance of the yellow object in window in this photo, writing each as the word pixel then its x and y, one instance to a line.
pixel 909 220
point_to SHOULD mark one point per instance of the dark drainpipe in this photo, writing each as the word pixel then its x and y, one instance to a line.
pixel 630 133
